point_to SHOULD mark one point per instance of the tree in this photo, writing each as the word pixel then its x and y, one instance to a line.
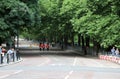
pixel 14 16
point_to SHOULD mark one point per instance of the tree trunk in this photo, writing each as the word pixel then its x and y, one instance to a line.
pixel 79 40
pixel 72 39
pixel 83 46
pixel 96 47
pixel 87 41
pixel 65 41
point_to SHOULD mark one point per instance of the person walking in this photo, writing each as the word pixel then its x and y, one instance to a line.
pixel 47 46
pixel 10 54
pixel 40 47
pixel 117 52
pixel 3 54
pixel 113 51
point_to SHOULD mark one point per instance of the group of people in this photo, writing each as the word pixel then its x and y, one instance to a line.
pixel 9 54
pixel 43 46
pixel 115 51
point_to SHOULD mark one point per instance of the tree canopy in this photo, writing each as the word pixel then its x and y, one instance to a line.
pixel 14 15
pixel 60 19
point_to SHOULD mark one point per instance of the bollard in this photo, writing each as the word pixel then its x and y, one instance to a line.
pixel 1 59
pixel 18 54
pixel 13 57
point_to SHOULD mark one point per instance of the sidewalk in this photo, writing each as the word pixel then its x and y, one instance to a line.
pixel 8 59
pixel 6 64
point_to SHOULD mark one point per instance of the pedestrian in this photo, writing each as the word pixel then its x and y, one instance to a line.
pixel 3 51
pixel 3 54
pixel 10 54
pixel 47 46
pixel 113 51
pixel 117 52
pixel 43 46
pixel 40 47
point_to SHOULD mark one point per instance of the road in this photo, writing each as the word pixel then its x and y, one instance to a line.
pixel 60 65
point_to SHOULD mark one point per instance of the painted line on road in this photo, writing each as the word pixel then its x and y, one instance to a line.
pixel 43 63
pixel 57 64
pixel 70 72
pixel 67 77
pixel 74 63
pixel 75 60
pixel 17 72
pixel 5 76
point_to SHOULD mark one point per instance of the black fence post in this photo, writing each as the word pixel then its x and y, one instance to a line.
pixel 1 58
pixel 18 54
pixel 7 58
pixel 13 57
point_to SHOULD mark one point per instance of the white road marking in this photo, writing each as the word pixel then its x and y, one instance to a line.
pixel 17 71
pixel 74 63
pixel 43 63
pixel 56 64
pixel 67 77
pixel 5 76
pixel 75 60
pixel 70 72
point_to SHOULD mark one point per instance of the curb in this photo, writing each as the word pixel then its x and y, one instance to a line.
pixel 1 65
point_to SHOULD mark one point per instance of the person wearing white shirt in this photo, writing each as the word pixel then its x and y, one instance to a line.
pixel 117 52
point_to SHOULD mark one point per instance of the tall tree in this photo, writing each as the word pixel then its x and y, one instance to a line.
pixel 14 16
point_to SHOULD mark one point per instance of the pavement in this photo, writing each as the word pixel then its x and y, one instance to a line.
pixel 5 64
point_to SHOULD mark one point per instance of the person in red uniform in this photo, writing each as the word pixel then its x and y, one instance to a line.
pixel 47 46
pixel 43 46
pixel 40 47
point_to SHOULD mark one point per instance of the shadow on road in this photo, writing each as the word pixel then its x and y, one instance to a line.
pixel 49 53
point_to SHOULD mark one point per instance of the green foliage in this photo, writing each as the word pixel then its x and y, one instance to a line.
pixel 3 27
pixel 55 19
pixel 14 16
pixel 100 21
pixel 96 18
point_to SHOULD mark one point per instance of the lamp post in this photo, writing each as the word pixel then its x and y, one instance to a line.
pixel 18 38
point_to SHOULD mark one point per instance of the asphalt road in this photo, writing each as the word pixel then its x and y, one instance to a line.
pixel 60 65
